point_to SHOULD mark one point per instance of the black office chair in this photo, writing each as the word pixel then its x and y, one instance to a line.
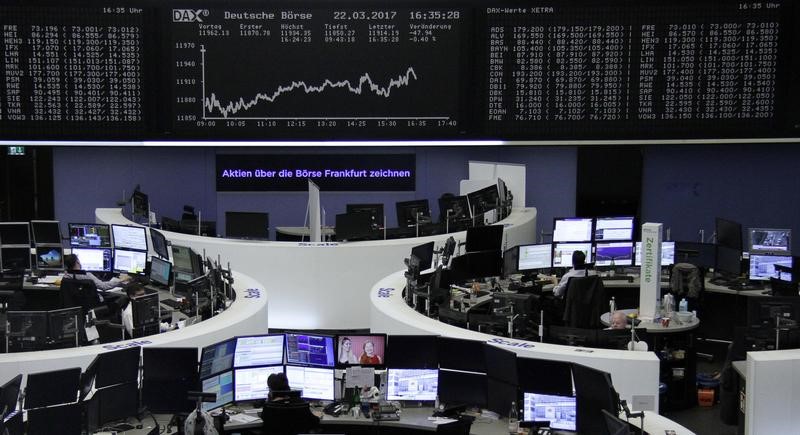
pixel 287 419
pixel 458 427
pixel 783 288
pixel 584 302
pixel 79 293
pixel 615 425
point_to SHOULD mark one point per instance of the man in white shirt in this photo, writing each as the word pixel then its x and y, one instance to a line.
pixel 132 290
pixel 72 264
pixel 578 269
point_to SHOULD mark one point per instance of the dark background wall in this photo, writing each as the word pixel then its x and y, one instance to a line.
pixel 683 186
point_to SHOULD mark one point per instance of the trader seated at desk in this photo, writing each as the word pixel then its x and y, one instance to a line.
pixel 284 413
pixel 132 290
pixel 578 270
pixel 72 264
pixel 618 320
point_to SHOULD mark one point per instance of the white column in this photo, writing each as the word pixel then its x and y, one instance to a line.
pixel 650 278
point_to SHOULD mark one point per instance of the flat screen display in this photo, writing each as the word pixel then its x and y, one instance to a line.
pixel 160 271
pixel 49 258
pixel 562 253
pixel 667 254
pixel 613 254
pixel 572 230
pixel 129 261
pixel 217 358
pixel 222 386
pixel 307 349
pixel 94 259
pixel 129 237
pixel 533 257
pixel 762 267
pixel 260 350
pixel 15 258
pixel 46 232
pixel 15 233
pixel 364 350
pixel 89 235
pixel 316 383
pixel 560 411
pixel 770 240
pixel 251 383
pixel 159 243
pixel 613 228
pixel 412 384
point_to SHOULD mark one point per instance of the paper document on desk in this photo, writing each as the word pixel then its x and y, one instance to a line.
pixel 360 377
pixel 243 418
pixel 441 420
pixel 50 279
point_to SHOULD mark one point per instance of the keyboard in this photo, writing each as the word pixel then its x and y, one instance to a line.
pixel 627 278
pixel 172 303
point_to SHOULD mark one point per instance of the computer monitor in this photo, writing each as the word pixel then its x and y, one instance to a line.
pixel 49 258
pixel 129 237
pixel 729 233
pixel 46 232
pixel 456 207
pixel 762 267
pixel 52 388
pixel 572 230
pixel 464 355
pixel 424 253
pixel 562 253
pixel 95 259
pixel 146 314
pixel 222 386
pixel 764 311
pixel 251 383
pixel 501 364
pixel 63 324
pixel 309 349
pixel 111 404
pixel 409 212
pixel 353 226
pixel 375 212
pixel 420 385
pixel 667 254
pixel 217 358
pixel 729 261
pixel 132 262
pixel 412 352
pixel 15 234
pixel 185 260
pixel 613 254
pixel 462 388
pixel 500 395
pixel 16 259
pixel 315 382
pixel 484 238
pixel 560 411
pixel 618 228
pixel 28 328
pixel 140 204
pixel 160 271
pixel 773 240
pixel 117 367
pixel 545 376
pixel 361 350
pixel 483 200
pixel 247 225
pixel 89 235
pixel 9 395
pixel 702 255
pixel 535 257
pixel 168 373
pixel 160 244
pixel 474 265
pixel 259 350
pixel 594 392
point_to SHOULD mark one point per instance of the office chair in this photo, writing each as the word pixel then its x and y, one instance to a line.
pixel 458 427
pixel 79 293
pixel 783 288
pixel 585 301
pixel 615 425
pixel 287 419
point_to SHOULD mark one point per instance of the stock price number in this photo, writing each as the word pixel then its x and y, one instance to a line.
pixel 434 15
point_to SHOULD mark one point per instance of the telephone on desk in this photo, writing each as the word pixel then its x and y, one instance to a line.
pixel 385 412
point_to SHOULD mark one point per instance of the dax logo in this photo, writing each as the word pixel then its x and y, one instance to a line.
pixel 189 15
pixel 252 293
pixel 385 292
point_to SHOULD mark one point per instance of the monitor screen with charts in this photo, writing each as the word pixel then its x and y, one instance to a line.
pixel 412 384
pixel 762 267
pixel 217 358
pixel 160 271
pixel 560 411
pixel 667 254
pixel 315 383
pixel 129 261
pixel 307 349
pixel 572 230
pixel 533 257
pixel 251 383
pixel 613 254
pixel 770 240
pixel 259 350
pixel 89 235
pixel 222 386
pixel 613 228
pixel 129 237
pixel 562 253
pixel 94 259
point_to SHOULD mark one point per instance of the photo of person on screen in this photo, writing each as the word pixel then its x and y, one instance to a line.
pixel 369 356
pixel 346 355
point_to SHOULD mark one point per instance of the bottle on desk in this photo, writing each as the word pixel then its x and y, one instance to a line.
pixel 683 307
pixel 513 419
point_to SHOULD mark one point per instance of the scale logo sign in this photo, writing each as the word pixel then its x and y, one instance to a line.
pixel 385 292
pixel 189 15
pixel 252 293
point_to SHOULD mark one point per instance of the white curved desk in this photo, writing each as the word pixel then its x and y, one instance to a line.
pixel 322 285
pixel 247 315
pixel 635 374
